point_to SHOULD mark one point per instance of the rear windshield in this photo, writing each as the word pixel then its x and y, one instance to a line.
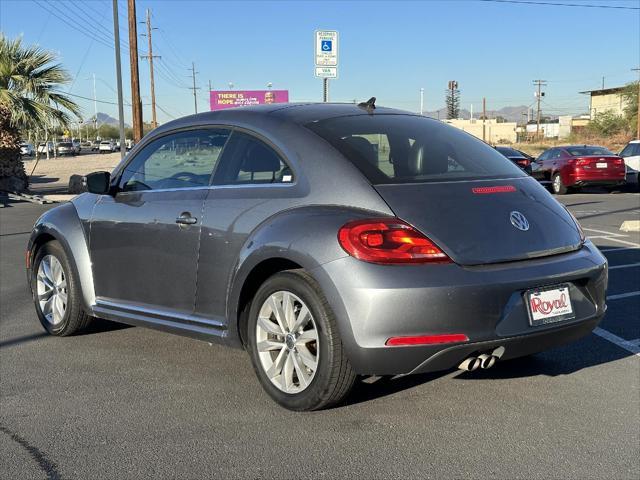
pixel 64 144
pixel 391 148
pixel 509 152
pixel 578 151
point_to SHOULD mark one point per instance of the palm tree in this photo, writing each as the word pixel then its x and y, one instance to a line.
pixel 29 99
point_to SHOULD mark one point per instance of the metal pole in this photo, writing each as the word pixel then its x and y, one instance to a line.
pixel 484 119
pixel 95 102
pixel 422 101
pixel 325 89
pixel 116 35
pixel 195 96
pixel 136 104
pixel 154 122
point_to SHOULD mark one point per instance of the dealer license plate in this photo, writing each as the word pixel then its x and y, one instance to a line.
pixel 549 305
pixel 601 164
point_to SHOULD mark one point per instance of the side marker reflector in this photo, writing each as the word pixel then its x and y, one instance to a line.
pixel 427 339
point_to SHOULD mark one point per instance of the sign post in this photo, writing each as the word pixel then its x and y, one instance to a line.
pixel 326 58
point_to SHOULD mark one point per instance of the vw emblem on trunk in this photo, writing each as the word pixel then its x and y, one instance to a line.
pixel 519 221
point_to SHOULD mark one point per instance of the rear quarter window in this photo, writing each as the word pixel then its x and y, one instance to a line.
pixel 395 148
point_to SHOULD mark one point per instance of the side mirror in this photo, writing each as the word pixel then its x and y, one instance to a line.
pixel 98 182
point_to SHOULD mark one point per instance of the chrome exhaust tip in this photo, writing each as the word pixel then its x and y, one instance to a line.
pixel 498 352
pixel 487 361
pixel 470 364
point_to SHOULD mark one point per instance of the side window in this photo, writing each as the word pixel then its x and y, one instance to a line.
pixel 180 160
pixel 545 155
pixel 627 151
pixel 248 160
pixel 557 154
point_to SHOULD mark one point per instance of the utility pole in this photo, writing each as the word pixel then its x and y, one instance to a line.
pixel 325 90
pixel 136 104
pixel 95 104
pixel 484 118
pixel 603 82
pixel 194 88
pixel 150 57
pixel 422 101
pixel 540 93
pixel 638 117
pixel 116 36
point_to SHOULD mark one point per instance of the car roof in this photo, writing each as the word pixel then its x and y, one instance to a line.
pixel 296 113
pixel 634 141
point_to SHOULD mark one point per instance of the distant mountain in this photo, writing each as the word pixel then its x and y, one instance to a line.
pixel 104 119
pixel 510 114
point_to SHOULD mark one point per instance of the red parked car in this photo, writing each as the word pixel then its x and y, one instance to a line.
pixel 572 167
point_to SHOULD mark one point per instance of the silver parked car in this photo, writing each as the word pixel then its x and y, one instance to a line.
pixel 328 240
pixel 65 148
pixel 26 149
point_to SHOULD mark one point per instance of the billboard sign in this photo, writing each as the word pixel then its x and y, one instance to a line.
pixel 221 99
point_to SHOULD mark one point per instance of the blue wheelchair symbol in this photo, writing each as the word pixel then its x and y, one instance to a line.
pixel 326 45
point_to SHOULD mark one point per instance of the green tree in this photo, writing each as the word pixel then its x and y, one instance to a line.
pixel 630 95
pixel 608 123
pixel 29 99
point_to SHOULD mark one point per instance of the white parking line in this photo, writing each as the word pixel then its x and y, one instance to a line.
pixel 628 265
pixel 623 295
pixel 621 342
pixel 614 237
pixel 624 242
pixel 610 234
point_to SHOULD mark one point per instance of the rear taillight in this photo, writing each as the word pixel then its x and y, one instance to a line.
pixel 523 163
pixel 388 241
pixel 618 161
pixel 581 162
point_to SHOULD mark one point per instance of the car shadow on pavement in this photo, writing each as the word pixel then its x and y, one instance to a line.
pixel 100 325
pixel 23 339
pixel 589 352
pixel 42 179
pixel 610 212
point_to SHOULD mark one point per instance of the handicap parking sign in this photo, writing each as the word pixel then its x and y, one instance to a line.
pixel 326 45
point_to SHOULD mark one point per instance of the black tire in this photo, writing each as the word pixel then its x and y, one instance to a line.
pixel 75 319
pixel 557 186
pixel 334 376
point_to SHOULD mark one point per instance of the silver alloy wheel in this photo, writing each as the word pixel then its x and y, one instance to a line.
pixel 287 342
pixel 51 288
pixel 557 183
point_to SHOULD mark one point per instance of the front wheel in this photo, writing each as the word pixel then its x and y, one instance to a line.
pixel 294 344
pixel 56 292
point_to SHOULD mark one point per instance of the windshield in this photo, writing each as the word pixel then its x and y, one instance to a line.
pixel 578 151
pixel 392 148
pixel 64 144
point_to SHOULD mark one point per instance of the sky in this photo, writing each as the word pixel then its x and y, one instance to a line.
pixel 388 49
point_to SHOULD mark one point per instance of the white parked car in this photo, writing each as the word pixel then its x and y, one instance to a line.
pixel 65 148
pixel 26 149
pixel 107 146
pixel 631 155
pixel 43 147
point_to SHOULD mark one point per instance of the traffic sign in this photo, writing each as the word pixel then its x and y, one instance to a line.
pixel 327 72
pixel 326 48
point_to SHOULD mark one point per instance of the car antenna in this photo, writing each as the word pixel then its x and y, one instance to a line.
pixel 369 105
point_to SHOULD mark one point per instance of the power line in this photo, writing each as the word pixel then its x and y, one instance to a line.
pixel 559 4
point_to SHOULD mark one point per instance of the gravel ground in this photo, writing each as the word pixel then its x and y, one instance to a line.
pixel 52 176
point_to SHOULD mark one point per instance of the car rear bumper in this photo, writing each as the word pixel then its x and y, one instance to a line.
pixel 373 303
pixel 596 178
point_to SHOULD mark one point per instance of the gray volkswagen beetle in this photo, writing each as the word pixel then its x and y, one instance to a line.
pixel 328 240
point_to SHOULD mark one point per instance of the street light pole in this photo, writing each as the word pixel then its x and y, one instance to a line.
pixel 116 35
pixel 422 101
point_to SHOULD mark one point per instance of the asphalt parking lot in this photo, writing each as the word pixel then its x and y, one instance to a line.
pixel 121 402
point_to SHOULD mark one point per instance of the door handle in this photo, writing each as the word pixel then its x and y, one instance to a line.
pixel 186 219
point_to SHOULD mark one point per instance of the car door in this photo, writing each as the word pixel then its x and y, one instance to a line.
pixel 144 240
pixel 252 183
pixel 540 169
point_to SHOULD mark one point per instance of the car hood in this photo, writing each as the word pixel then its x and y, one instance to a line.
pixel 471 220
